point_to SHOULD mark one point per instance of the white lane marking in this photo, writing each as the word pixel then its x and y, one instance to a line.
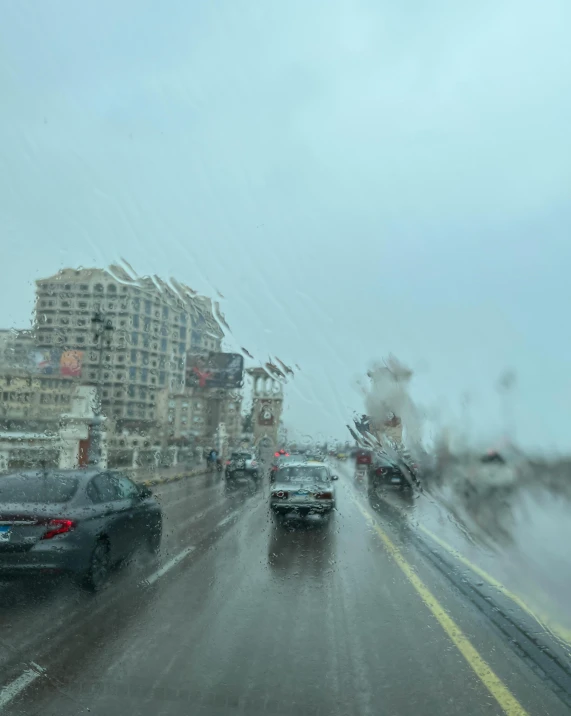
pixel 151 579
pixel 226 520
pixel 16 687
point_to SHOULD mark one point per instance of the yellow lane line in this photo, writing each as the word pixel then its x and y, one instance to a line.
pixel 507 701
pixel 557 630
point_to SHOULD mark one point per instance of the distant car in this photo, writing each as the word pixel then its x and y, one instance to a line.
pixel 74 522
pixel 363 457
pixel 384 473
pixel 281 460
pixel 342 455
pixel 302 487
pixel 242 464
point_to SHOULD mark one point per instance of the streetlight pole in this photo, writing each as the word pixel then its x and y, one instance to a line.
pixel 102 333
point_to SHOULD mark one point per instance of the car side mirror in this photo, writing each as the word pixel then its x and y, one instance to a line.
pixel 334 477
pixel 145 492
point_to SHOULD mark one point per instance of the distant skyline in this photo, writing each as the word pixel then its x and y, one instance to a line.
pixel 356 179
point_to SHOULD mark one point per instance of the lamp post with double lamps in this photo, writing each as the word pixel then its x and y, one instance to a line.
pixel 102 335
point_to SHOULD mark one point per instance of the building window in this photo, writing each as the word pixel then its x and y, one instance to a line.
pixel 131 391
pixel 133 356
pixel 83 287
pixel 111 288
pixel 181 348
pixel 133 373
pixel 144 375
pixel 182 331
pixel 163 344
pixel 81 321
pixel 136 320
pixel 135 338
pixel 165 312
pixel 80 339
pixel 147 307
pixel 66 304
pixel 120 359
pixel 162 377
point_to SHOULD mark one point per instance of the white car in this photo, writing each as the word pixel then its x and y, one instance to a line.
pixel 302 488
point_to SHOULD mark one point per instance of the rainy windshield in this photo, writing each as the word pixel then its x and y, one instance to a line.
pixel 285 394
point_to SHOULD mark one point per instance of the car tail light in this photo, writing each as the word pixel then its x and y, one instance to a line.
pixel 58 527
pixel 227 462
pixel 324 495
pixel 280 494
pixel 254 463
pixel 276 454
pixel 380 471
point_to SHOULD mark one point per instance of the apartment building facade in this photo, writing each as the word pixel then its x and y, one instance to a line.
pixel 134 335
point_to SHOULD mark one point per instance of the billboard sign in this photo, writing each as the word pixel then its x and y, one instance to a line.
pixel 215 370
pixel 56 362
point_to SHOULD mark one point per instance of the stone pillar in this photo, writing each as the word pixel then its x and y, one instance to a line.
pixel 75 427
pixel 69 436
pixel 135 462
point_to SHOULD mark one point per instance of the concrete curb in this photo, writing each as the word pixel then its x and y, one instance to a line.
pixel 155 481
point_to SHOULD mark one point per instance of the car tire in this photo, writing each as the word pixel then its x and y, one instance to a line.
pixel 99 566
pixel 154 539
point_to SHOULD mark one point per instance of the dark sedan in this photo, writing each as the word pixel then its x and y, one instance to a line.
pixel 385 473
pixel 76 522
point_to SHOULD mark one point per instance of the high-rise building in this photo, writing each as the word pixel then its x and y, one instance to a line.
pixel 16 348
pixel 133 334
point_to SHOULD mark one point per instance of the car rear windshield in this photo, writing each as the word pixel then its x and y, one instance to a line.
pixel 303 473
pixel 241 456
pixel 49 489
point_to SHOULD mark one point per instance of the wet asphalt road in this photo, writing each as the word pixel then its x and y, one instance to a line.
pixel 245 617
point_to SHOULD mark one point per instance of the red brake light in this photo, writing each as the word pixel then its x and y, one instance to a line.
pixel 58 527
pixel 227 462
pixel 280 494
pixel 276 454
pixel 274 468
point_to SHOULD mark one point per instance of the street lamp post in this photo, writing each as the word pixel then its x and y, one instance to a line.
pixel 102 334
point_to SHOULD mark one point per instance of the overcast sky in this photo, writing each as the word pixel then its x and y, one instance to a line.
pixel 356 178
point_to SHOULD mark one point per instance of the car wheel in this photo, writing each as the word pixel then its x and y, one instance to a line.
pixel 99 566
pixel 154 539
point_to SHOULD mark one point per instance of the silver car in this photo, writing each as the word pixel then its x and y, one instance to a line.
pixel 302 488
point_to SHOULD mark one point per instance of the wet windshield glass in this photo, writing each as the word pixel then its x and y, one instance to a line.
pixel 284 296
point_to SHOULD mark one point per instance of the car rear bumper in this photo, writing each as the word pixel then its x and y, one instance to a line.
pixel 43 561
pixel 309 506
pixel 237 474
